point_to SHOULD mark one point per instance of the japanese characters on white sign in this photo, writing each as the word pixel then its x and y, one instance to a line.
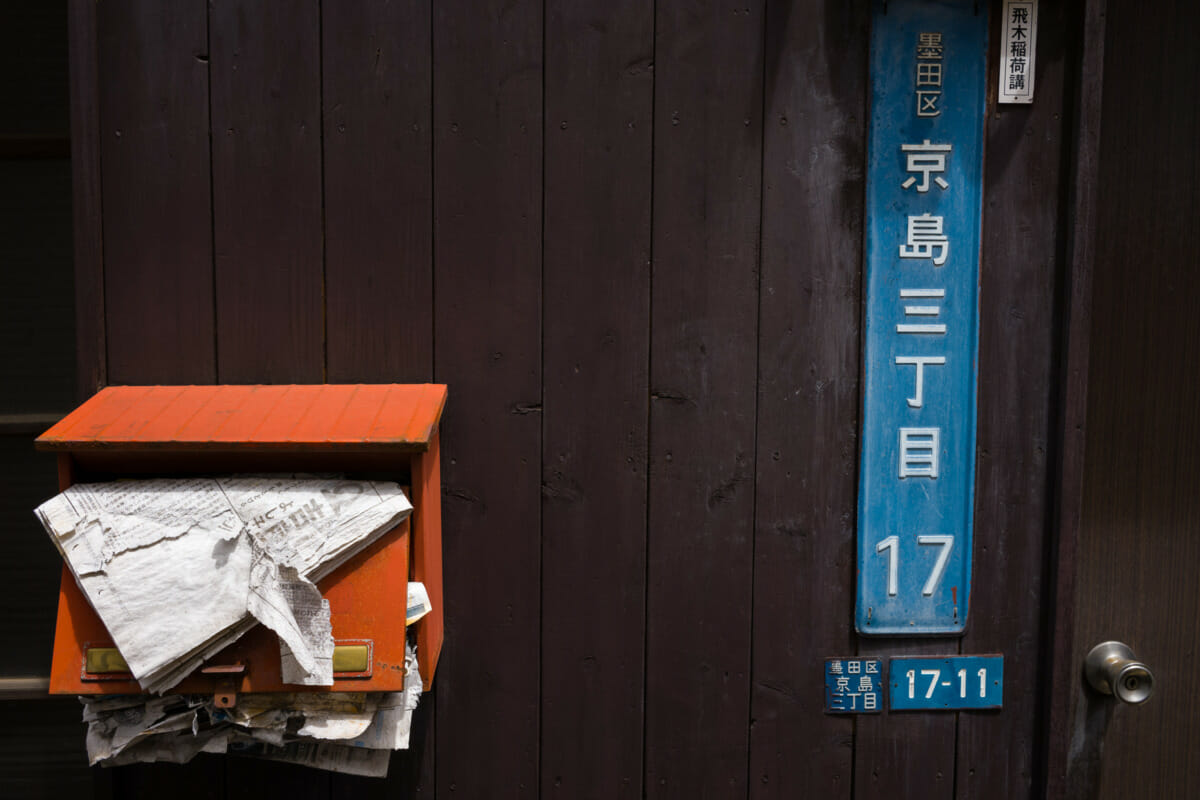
pixel 1017 49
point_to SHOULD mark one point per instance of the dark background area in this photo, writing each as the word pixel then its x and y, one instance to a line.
pixel 628 236
pixel 41 754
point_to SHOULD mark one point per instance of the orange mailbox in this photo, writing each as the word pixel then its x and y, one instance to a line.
pixel 387 432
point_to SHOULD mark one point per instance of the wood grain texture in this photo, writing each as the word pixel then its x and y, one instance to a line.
pixel 814 148
pixel 997 753
pixel 266 166
pixel 157 208
pixel 90 357
pixel 628 548
pixel 904 754
pixel 377 79
pixel 487 237
pixel 158 322
pixel 707 162
pixel 1087 64
pixel 1140 519
pixel 599 93
pixel 354 418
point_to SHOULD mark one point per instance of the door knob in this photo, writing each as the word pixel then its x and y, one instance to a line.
pixel 1111 668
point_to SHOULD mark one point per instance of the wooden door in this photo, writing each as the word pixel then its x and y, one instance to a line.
pixel 1131 524
pixel 644 224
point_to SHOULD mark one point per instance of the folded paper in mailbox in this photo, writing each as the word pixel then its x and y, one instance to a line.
pixel 177 569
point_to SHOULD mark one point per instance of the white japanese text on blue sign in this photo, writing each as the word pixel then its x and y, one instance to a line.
pixel 924 194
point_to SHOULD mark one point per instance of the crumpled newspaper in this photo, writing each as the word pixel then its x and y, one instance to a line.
pixel 177 569
pixel 350 732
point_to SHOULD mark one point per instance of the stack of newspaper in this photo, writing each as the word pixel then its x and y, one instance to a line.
pixel 353 733
pixel 177 569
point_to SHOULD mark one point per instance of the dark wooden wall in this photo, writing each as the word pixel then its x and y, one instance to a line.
pixel 1130 520
pixel 628 235
pixel 41 753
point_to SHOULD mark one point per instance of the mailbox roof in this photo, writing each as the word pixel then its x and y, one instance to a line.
pixel 322 418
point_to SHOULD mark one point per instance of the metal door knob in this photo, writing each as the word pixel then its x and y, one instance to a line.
pixel 1111 668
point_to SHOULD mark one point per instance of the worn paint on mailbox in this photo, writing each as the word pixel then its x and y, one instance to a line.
pixel 924 196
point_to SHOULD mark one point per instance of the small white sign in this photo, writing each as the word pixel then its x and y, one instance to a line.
pixel 1017 48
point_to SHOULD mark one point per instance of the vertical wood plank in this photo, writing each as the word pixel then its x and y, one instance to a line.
pixel 267 233
pixel 997 752
pixel 1082 208
pixel 599 105
pixel 157 297
pixel 1139 511
pixel 157 212
pixel 90 358
pixel 413 773
pixel 266 165
pixel 487 240
pixel 376 74
pixel 707 162
pixel 904 754
pixel 814 140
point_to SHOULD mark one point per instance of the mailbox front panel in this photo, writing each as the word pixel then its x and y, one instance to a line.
pixel 367 597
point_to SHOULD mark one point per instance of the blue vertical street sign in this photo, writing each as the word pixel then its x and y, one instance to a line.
pixel 924 203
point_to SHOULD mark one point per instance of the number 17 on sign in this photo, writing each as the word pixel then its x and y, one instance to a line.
pixel 891 546
pixel 920 348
